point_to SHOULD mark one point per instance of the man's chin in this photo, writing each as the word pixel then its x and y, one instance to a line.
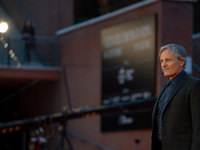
pixel 166 75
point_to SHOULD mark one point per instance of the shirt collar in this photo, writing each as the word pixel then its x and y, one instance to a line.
pixel 175 79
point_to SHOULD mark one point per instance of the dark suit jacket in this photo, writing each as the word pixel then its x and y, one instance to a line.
pixel 181 117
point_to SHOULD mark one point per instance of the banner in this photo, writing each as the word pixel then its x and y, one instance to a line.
pixel 128 63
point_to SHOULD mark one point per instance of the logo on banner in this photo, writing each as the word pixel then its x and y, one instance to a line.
pixel 122 120
pixel 125 75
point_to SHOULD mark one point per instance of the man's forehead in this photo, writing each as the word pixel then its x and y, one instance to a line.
pixel 169 51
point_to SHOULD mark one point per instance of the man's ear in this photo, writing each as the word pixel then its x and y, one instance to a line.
pixel 181 62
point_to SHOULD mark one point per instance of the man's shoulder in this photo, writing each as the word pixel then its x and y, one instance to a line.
pixel 192 80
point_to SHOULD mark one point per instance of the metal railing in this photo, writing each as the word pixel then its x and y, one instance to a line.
pixel 41 51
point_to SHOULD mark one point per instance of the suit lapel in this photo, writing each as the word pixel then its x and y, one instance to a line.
pixel 178 85
pixel 175 90
pixel 156 104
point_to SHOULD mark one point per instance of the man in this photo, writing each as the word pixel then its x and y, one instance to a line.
pixel 176 114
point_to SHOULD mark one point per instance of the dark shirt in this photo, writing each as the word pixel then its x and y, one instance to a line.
pixel 28 32
pixel 163 101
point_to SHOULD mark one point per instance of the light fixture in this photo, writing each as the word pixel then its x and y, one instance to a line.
pixel 3 27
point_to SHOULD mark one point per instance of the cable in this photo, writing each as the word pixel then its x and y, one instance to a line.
pixel 81 65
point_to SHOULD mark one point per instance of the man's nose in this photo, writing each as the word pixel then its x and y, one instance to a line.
pixel 164 64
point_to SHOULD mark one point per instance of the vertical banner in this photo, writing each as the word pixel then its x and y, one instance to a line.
pixel 128 65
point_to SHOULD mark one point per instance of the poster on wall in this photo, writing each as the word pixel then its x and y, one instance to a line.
pixel 128 65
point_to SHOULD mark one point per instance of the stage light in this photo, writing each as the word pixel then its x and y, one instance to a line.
pixel 10 129
pixel 4 131
pixel 3 27
pixel 5 45
pixel 2 38
pixel 18 65
pixel 10 51
pixel 15 58
pixel 17 128
pixel 12 55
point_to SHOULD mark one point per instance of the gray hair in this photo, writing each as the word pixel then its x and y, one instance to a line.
pixel 177 50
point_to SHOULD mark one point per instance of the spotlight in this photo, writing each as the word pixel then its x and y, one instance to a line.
pixel 15 58
pixel 2 38
pixel 12 55
pixel 5 45
pixel 10 51
pixel 18 65
pixel 3 27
